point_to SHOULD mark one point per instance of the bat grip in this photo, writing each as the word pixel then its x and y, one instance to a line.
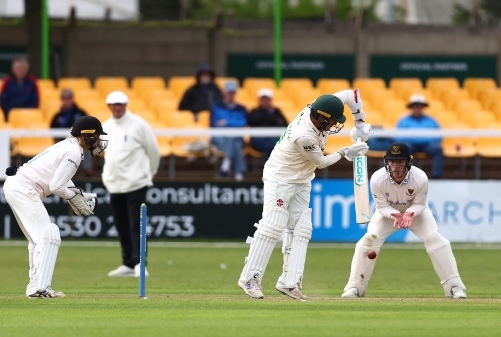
pixel 359 140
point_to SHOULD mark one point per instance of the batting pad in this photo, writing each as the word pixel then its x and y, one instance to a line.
pixel 302 236
pixel 440 252
pixel 361 266
pixel 286 251
pixel 48 255
pixel 266 236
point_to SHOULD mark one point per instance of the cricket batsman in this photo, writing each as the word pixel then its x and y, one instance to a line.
pixel 287 177
pixel 50 172
pixel 400 191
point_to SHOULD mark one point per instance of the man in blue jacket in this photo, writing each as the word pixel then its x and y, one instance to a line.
pixel 19 90
pixel 417 119
pixel 228 113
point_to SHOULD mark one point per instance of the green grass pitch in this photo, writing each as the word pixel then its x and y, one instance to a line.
pixel 192 291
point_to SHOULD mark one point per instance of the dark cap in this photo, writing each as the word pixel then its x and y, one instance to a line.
pixel 87 125
pixel 398 151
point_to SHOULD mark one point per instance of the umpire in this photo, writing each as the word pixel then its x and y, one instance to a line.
pixel 129 168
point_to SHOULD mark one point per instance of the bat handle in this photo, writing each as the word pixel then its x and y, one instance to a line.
pixel 359 140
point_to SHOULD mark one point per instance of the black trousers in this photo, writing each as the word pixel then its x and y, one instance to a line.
pixel 125 208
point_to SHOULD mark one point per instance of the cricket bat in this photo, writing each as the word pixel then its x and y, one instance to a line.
pixel 361 188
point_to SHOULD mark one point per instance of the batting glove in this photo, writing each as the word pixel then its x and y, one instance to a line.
pixel 361 130
pixel 357 149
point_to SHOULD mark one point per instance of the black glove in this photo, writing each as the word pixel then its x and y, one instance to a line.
pixel 11 171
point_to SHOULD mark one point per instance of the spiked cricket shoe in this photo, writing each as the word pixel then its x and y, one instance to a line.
pixel 351 293
pixel 47 293
pixel 295 293
pixel 122 271
pixel 457 292
pixel 251 288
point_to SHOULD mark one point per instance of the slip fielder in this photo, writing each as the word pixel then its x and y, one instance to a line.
pixel 50 172
pixel 400 192
pixel 287 180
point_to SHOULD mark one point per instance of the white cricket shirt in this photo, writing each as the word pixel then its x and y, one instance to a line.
pixel 410 195
pixel 50 171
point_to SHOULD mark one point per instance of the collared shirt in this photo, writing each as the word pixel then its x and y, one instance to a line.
pixel 410 195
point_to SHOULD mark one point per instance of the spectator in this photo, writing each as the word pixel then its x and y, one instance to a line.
pixel 129 167
pixel 65 118
pixel 417 119
pixel 203 94
pixel 228 113
pixel 19 90
pixel 265 115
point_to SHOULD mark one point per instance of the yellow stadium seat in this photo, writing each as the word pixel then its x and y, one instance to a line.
pixel 292 85
pixel 74 83
pixel 290 114
pixel 105 85
pixel 377 97
pixel 18 117
pixel 489 146
pixel 285 104
pixel 136 104
pixel 305 96
pixel 93 106
pixel 179 142
pixel 49 94
pixel 445 118
pixel 334 143
pixel 142 84
pixel 452 96
pixel 459 147
pixel 50 108
pixel 466 106
pixel 31 146
pixel 488 97
pixel 479 119
pixel 101 114
pixel 253 84
pixel 46 84
pixel 393 109
pixel 203 119
pixel 83 95
pixel 373 117
pixel 332 85
pixel 151 98
pixel 437 85
pixel 368 84
pixel 401 86
pixel 179 84
pixel 177 118
pixel 162 106
pixel 476 84
pixel 147 115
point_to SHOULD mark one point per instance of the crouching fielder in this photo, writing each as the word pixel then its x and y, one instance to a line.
pixel 400 195
pixel 287 179
pixel 50 172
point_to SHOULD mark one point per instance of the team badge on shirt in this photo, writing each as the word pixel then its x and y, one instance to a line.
pixel 280 202
pixel 410 192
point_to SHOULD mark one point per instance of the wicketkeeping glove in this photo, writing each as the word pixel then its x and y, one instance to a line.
pixel 82 203
pixel 357 149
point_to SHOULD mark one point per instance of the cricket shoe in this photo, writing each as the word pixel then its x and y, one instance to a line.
pixel 122 271
pixel 351 293
pixel 252 288
pixel 137 271
pixel 295 293
pixel 457 292
pixel 47 293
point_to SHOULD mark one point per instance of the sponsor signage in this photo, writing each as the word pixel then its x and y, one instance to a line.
pixel 466 211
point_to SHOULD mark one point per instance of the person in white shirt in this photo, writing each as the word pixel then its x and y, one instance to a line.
pixel 50 172
pixel 400 192
pixel 130 163
pixel 287 177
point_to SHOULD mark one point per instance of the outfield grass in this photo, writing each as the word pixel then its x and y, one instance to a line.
pixel 190 293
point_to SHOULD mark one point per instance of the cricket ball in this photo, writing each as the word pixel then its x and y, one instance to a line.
pixel 371 254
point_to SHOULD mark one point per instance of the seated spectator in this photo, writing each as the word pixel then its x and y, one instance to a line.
pixel 228 113
pixel 19 90
pixel 265 115
pixel 417 119
pixel 203 94
pixel 65 118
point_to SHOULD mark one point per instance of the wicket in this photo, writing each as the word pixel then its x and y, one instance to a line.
pixel 142 252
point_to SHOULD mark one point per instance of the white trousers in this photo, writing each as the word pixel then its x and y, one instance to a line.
pixel 32 217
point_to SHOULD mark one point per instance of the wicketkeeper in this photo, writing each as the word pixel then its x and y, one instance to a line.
pixel 287 180
pixel 50 172
pixel 400 194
